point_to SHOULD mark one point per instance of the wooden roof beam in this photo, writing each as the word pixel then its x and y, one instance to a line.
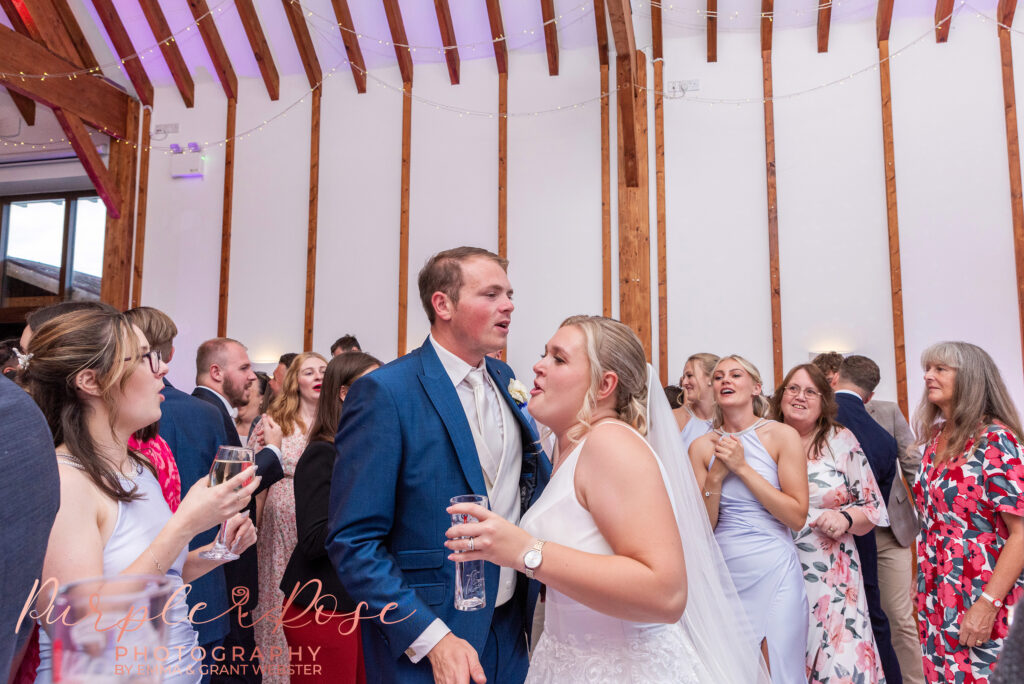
pixel 100 104
pixel 398 37
pixel 87 58
pixel 169 48
pixel 26 107
pixel 547 11
pixel 625 50
pixel 883 19
pixel 131 62
pixel 89 156
pixel 303 41
pixel 601 20
pixel 260 49
pixel 352 49
pixel 824 24
pixel 943 12
pixel 498 35
pixel 451 52
pixel 1005 11
pixel 712 15
pixel 215 47
pixel 767 15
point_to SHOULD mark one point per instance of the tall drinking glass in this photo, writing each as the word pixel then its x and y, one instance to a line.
pixel 230 461
pixel 469 575
pixel 109 629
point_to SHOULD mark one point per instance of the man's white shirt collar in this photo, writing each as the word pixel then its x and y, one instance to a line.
pixel 232 411
pixel 456 368
pixel 851 393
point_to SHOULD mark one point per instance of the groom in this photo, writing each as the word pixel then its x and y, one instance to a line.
pixel 436 423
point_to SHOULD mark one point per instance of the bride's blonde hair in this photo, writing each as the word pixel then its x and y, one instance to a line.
pixel 612 346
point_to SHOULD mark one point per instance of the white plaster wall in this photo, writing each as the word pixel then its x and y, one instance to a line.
pixel 954 210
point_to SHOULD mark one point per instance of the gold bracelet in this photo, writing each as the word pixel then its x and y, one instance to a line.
pixel 152 555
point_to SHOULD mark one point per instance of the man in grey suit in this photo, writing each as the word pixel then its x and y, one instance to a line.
pixel 29 499
pixel 861 375
pixel 888 415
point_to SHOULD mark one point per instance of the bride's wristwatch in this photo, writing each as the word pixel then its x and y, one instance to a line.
pixel 533 558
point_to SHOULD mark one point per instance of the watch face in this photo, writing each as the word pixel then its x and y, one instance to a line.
pixel 532 559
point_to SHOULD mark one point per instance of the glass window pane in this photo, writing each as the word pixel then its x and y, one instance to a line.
pixel 90 230
pixel 35 237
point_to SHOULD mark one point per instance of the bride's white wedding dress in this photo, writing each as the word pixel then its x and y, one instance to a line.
pixel 582 645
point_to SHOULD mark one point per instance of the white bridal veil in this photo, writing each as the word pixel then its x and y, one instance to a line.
pixel 714 617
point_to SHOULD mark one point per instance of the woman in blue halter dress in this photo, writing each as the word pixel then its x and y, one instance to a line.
pixel 695 416
pixel 753 475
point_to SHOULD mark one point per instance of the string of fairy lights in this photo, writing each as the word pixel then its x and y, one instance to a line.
pixel 325 27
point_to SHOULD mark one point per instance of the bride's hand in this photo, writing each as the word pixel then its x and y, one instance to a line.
pixel 492 539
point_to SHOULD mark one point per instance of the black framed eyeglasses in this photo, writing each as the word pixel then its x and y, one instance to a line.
pixel 154 357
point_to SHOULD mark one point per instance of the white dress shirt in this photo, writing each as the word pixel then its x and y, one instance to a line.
pixel 233 412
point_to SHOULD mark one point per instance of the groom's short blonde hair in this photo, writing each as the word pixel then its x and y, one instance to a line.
pixel 443 273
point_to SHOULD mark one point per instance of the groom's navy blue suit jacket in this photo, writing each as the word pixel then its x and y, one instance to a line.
pixel 404 449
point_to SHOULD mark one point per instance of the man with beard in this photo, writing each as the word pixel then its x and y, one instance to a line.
pixel 224 379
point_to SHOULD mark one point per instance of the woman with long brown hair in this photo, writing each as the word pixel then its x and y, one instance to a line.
pixel 97 382
pixel 342 654
pixel 294 409
pixel 970 494
pixel 844 500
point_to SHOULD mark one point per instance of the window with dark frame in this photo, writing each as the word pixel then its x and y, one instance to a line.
pixel 51 248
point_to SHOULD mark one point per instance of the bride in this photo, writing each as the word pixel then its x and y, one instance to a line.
pixel 618 536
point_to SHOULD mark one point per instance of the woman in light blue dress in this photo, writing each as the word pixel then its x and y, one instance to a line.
pixel 753 475
pixel 695 417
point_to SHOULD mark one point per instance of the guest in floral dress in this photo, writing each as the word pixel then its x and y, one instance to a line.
pixel 844 500
pixel 971 498
pixel 294 410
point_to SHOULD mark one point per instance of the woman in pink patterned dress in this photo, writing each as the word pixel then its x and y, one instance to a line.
pixel 294 409
pixel 844 500
pixel 971 497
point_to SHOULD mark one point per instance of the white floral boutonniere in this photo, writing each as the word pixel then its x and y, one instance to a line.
pixel 518 392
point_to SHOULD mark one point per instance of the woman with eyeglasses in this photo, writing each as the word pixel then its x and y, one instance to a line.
pixel 96 382
pixel 845 500
pixel 753 476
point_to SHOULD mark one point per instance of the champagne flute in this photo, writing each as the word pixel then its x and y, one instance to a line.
pixel 230 461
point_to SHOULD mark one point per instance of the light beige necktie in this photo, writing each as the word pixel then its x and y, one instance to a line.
pixel 489 459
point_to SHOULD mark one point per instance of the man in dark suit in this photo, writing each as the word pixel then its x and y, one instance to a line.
pixel 856 382
pixel 193 430
pixel 880 448
pixel 224 379
pixel 29 499
pixel 436 423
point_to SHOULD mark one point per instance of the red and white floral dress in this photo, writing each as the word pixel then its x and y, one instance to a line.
pixel 962 535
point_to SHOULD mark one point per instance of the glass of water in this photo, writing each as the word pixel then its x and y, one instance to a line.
pixel 469 575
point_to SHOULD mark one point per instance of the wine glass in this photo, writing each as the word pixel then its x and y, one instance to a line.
pixel 229 462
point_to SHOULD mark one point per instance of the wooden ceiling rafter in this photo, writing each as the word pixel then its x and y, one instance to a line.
pixel 26 107
pixel 169 49
pixel 215 47
pixel 625 49
pixel 260 48
pixel 351 41
pixel 547 11
pixel 447 29
pixel 304 42
pixel 98 103
pixel 601 22
pixel 88 59
pixel 824 24
pixel 712 31
pixel 131 62
pixel 943 14
pixel 767 14
pixel 399 39
pixel 498 35
pixel 1005 11
pixel 883 19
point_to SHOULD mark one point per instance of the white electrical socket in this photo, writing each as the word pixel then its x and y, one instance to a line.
pixel 165 129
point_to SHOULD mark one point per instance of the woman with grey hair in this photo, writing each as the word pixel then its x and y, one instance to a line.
pixel 971 498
